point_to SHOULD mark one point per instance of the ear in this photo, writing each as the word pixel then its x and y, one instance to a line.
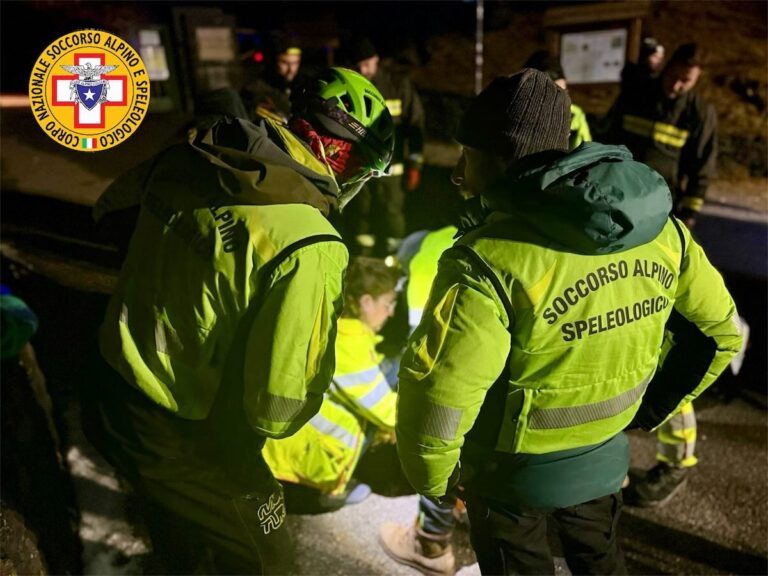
pixel 366 302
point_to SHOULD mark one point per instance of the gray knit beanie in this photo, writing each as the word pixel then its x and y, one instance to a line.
pixel 518 115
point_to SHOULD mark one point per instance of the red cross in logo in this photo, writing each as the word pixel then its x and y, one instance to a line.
pixel 84 118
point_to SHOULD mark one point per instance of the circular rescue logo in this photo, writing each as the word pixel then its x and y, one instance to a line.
pixel 89 90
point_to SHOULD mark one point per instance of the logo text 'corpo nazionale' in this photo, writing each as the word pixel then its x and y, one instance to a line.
pixel 89 90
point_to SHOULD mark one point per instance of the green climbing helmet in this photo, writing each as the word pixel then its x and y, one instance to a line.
pixel 348 106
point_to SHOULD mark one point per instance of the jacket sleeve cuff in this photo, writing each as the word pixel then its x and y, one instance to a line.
pixel 427 471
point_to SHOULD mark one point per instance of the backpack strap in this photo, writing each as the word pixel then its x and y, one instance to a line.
pixel 491 275
pixel 682 239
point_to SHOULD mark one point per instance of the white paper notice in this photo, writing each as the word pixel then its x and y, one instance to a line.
pixel 591 57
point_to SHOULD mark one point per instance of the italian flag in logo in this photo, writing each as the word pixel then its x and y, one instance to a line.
pixel 88 144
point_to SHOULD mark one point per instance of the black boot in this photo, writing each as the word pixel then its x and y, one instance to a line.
pixel 659 486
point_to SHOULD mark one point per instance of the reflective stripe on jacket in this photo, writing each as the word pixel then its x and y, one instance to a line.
pixel 325 452
pixel 358 382
pixel 538 346
pixel 676 137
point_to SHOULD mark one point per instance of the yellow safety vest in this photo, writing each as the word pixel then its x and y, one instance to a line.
pixel 422 270
pixel 324 453
pixel 579 128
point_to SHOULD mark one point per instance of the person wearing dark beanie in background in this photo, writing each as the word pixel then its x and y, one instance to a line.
pixel 541 337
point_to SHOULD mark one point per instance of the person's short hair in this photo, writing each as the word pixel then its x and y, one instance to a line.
pixel 689 55
pixel 366 276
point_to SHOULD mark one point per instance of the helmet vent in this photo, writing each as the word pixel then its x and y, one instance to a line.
pixel 346 101
pixel 368 106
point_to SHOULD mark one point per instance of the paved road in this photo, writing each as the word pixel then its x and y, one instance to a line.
pixel 717 525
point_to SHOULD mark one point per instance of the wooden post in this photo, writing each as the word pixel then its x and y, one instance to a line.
pixel 634 38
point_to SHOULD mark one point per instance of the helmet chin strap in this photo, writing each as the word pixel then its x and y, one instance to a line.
pixel 348 192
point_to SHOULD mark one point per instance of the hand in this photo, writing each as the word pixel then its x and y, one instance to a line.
pixel 412 178
pixel 384 437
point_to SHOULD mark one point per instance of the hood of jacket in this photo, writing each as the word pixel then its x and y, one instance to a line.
pixel 593 200
pixel 255 164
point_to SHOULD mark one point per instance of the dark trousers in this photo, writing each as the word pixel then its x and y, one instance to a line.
pixel 436 518
pixel 196 528
pixel 203 514
pixel 508 541
pixel 377 210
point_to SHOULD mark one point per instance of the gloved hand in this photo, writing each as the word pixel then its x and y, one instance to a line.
pixel 412 178
pixel 645 419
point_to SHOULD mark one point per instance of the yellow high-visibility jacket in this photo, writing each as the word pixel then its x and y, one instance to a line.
pixel 422 269
pixel 561 294
pixel 324 453
pixel 579 128
pixel 233 278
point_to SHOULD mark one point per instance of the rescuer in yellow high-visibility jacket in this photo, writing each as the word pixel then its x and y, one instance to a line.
pixel 220 331
pixel 359 402
pixel 540 340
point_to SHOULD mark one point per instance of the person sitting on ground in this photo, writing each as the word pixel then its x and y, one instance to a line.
pixel 317 464
pixel 220 331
